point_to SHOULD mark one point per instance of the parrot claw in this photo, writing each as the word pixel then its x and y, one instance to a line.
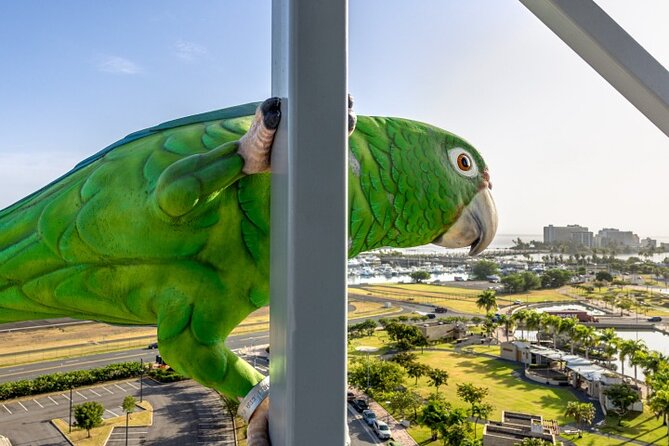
pixel 271 111
pixel 352 118
pixel 256 144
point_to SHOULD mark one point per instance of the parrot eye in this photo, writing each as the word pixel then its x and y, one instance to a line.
pixel 463 162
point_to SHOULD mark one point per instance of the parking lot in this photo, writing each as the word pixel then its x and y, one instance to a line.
pixel 185 413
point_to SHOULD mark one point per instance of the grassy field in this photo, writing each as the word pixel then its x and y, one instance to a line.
pixel 462 300
pixel 508 392
pixel 652 304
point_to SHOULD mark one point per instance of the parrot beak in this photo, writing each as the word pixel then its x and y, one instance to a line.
pixel 476 226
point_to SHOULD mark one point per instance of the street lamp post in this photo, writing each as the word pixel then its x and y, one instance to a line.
pixel 141 380
pixel 70 427
pixel 367 350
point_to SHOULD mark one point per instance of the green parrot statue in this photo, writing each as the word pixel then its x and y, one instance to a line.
pixel 170 226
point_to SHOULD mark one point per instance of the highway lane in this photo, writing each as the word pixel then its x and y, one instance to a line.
pixel 29 371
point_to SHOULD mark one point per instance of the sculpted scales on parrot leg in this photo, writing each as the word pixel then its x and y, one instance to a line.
pixel 170 226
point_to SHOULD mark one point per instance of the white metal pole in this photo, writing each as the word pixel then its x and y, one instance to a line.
pixel 309 224
pixel 613 53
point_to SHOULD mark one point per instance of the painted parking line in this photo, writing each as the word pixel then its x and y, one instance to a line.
pixel 107 390
pixel 94 392
pixel 116 385
pixel 133 386
pixel 10 412
pixel 80 394
pixel 38 403
pixel 24 407
pixel 54 401
pixel 65 396
pixel 112 412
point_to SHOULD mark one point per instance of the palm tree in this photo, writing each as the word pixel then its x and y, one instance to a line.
pixel 553 324
pixel 585 336
pixel 506 321
pixel 533 322
pixel 609 338
pixel 568 326
pixel 659 403
pixel 638 357
pixel 519 317
pixel 626 350
pixel 487 300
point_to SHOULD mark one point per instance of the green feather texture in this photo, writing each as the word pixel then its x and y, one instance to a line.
pixel 163 228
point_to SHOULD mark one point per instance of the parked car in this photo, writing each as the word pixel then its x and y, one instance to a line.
pixel 152 345
pixel 431 316
pixel 459 279
pixel 655 319
pixel 369 416
pixel 360 405
pixel 440 310
pixel 517 302
pixel 350 396
pixel 381 430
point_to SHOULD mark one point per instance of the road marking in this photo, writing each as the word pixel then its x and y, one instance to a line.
pixel 133 386
pixel 24 407
pixel 37 402
pixel 94 392
pixel 54 401
pixel 121 388
pixel 113 413
pixel 65 396
pixel 10 412
pixel 80 394
pixel 107 390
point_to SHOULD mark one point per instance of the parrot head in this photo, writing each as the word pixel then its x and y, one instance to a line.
pixel 438 185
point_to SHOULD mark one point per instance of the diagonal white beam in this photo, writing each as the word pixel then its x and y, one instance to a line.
pixel 613 53
pixel 309 224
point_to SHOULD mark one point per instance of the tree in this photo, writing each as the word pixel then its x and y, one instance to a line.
pixel 481 411
pixel 417 370
pixel 583 413
pixel 519 317
pixel 438 378
pixel 627 349
pixel 569 327
pixel 659 404
pixel 474 395
pixel 487 300
pixel 521 282
pixel 532 442
pixel 384 376
pixel 88 415
pixel 455 429
pixel 128 407
pixel 604 276
pixel 405 336
pixel 585 336
pixel 621 396
pixel 555 278
pixel 404 358
pixel 419 276
pixel 484 268
pixel 433 415
pixel 401 401
pixel 609 339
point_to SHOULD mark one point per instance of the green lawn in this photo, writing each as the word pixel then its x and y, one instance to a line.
pixel 508 392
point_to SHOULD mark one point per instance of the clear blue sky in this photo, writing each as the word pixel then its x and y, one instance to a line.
pixel 562 145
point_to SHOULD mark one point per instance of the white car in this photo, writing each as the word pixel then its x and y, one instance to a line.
pixel 381 430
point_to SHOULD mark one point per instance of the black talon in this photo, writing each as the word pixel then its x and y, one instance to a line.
pixel 352 118
pixel 271 112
